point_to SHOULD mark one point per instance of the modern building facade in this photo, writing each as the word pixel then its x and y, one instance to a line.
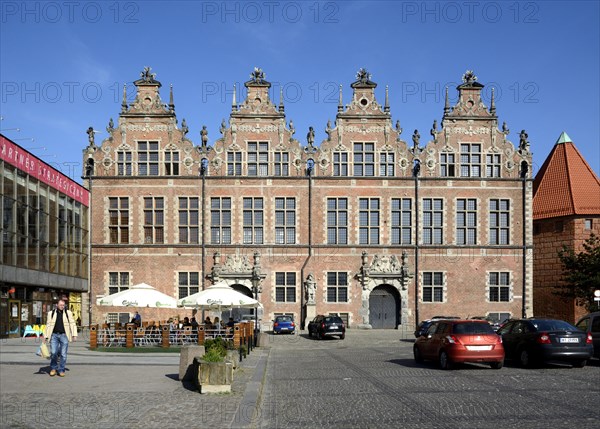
pixel 44 244
pixel 389 233
pixel 566 211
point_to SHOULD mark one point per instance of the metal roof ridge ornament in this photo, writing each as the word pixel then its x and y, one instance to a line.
pixel 363 75
pixel 258 75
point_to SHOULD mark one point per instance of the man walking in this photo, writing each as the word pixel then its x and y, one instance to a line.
pixel 60 331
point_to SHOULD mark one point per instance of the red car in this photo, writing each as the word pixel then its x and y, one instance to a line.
pixel 456 341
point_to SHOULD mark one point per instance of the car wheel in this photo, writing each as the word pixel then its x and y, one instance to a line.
pixel 525 358
pixel 417 354
pixel 497 365
pixel 444 361
pixel 580 363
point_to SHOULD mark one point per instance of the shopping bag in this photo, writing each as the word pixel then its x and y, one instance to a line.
pixel 44 350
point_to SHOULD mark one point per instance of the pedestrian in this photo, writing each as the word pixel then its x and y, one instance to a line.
pixel 60 331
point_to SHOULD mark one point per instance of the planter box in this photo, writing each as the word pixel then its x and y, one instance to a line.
pixel 213 377
pixel 186 361
pixel 233 356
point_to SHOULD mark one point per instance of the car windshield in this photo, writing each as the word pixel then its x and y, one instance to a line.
pixel 553 325
pixel 473 328
pixel 333 320
pixel 283 319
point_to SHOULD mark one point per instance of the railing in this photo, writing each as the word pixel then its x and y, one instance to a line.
pixel 162 336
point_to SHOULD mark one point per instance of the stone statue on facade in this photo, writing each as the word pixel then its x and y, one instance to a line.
pixel 505 129
pixel 310 286
pixel 523 143
pixel 328 130
pixel 111 126
pixel 223 127
pixel 184 128
pixel 204 136
pixel 90 133
pixel 434 129
pixel 310 137
pixel 415 138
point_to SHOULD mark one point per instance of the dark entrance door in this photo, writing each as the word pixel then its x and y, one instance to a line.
pixel 238 313
pixel 384 307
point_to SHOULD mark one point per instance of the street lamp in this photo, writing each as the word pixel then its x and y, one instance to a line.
pixel 255 291
pixel 597 297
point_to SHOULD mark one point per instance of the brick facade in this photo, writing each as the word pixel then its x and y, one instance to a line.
pixel 273 209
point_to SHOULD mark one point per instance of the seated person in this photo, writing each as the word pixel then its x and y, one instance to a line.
pixel 231 323
pixel 137 319
pixel 194 324
pixel 186 322
pixel 207 321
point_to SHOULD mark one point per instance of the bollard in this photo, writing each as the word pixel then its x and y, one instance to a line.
pixel 201 333
pixel 129 336
pixel 93 336
pixel 165 336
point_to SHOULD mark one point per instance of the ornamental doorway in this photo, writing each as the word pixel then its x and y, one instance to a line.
pixel 384 307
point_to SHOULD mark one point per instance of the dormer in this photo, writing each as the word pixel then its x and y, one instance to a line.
pixel 469 105
pixel 364 103
pixel 147 100
pixel 257 102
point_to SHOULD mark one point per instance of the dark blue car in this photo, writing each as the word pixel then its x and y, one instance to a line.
pixel 284 325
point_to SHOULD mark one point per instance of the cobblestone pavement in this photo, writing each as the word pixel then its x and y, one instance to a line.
pixel 117 390
pixel 370 380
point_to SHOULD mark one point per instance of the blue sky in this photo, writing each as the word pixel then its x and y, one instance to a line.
pixel 63 65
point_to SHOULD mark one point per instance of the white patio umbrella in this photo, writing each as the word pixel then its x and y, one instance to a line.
pixel 140 295
pixel 218 296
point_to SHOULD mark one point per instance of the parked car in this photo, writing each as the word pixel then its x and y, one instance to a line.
pixel 590 323
pixel 532 341
pixel 425 324
pixel 453 341
pixel 324 326
pixel 284 324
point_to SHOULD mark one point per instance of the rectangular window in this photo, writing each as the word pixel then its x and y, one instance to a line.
pixel 282 164
pixel 285 220
pixel 188 220
pixel 124 163
pixel 368 220
pixel 258 158
pixel 253 220
pixel 447 162
pixel 499 287
pixel 587 224
pixel 337 221
pixel 118 282
pixel 499 221
pixel 470 160
pixel 466 221
pixel 154 220
pixel 118 215
pixel 337 287
pixel 172 163
pixel 285 287
pixel 364 159
pixel 234 163
pixel 148 158
pixel 493 165
pixel 189 283
pixel 433 287
pixel 498 317
pixel 386 164
pixel 401 220
pixel 220 220
pixel 340 163
pixel 433 212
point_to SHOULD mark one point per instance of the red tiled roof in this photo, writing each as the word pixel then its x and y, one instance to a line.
pixel 565 185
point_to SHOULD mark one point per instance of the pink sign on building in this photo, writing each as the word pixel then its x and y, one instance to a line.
pixel 32 165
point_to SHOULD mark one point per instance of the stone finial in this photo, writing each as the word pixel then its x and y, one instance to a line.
pixel 386 107
pixel 124 102
pixel 447 103
pixel 340 102
pixel 281 106
pixel 171 103
pixel 434 129
pixel 493 103
pixel 234 102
